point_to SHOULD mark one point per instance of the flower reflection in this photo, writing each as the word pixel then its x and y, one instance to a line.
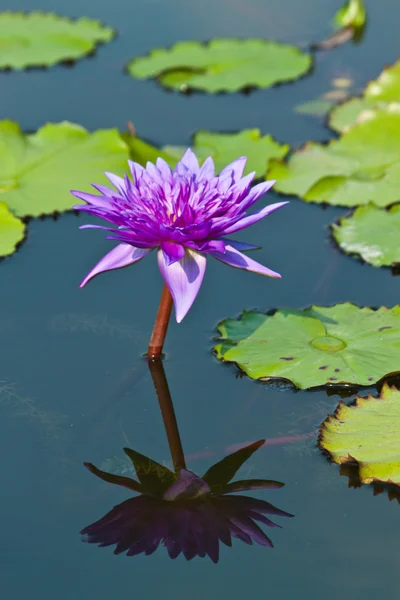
pixel 187 514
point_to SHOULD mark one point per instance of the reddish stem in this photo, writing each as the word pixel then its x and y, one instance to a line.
pixel 168 412
pixel 160 325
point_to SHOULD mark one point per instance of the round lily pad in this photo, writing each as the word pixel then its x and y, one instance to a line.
pixel 44 39
pixel 223 65
pixel 12 231
pixel 362 166
pixel 372 233
pixel 378 94
pixel 367 434
pixel 37 171
pixel 226 147
pixel 338 345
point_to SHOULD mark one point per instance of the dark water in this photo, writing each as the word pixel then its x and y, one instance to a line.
pixel 69 357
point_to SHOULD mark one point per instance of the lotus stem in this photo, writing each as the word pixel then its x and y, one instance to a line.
pixel 160 325
pixel 168 413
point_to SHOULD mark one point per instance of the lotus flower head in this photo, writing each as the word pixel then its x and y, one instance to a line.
pixel 185 215
pixel 187 514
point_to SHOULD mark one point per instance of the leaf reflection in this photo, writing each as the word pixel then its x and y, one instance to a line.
pixel 179 510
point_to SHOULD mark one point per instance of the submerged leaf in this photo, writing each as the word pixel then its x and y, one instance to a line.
pixel 37 171
pixel 362 166
pixel 44 39
pixel 12 231
pixel 337 345
pixel 368 434
pixel 378 94
pixel 222 65
pixel 372 233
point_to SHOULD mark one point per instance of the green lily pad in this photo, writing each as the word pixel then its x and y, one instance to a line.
pixel 12 231
pixel 372 233
pixel 379 93
pixel 368 434
pixel 352 14
pixel 226 147
pixel 37 171
pixel 315 108
pixel 225 65
pixel 361 167
pixel 142 152
pixel 337 345
pixel 44 39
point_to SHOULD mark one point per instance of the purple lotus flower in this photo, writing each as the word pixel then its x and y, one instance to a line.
pixel 185 214
pixel 187 514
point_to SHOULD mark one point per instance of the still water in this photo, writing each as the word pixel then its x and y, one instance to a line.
pixel 74 387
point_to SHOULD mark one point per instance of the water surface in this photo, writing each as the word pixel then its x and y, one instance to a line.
pixel 74 386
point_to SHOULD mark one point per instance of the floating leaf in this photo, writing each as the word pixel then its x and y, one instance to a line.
pixel 362 166
pixel 337 345
pixel 44 39
pixel 142 152
pixel 222 65
pixel 372 233
pixel 314 108
pixel 37 171
pixel 226 147
pixel 367 433
pixel 12 231
pixel 352 14
pixel 377 94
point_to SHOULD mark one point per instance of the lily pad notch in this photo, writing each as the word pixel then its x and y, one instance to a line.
pixel 222 65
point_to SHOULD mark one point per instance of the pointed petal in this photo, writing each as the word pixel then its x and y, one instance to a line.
pixel 212 246
pixel 236 167
pixel 242 246
pixel 183 279
pixel 251 219
pixel 164 168
pixel 136 170
pixel 234 258
pixel 207 170
pixel 117 182
pixel 172 252
pixel 189 159
pixel 255 193
pixel 91 199
pixel 120 256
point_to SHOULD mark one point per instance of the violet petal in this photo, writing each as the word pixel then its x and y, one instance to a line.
pixel 234 258
pixel 120 256
pixel 251 219
pixel 236 168
pixel 172 252
pixel 183 279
